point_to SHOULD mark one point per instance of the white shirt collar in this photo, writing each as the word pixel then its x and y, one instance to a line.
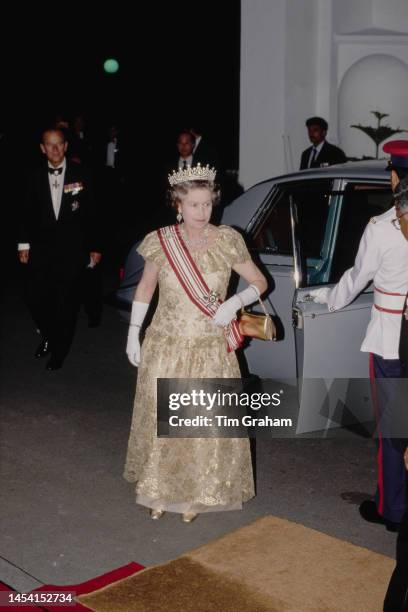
pixel 319 146
pixel 188 160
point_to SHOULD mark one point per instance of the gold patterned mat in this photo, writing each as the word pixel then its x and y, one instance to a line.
pixel 271 565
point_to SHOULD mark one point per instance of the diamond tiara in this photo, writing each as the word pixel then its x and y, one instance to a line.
pixel 192 173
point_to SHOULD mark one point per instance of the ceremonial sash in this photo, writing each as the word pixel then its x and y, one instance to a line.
pixel 192 281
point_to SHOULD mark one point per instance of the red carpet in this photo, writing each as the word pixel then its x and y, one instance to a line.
pixel 80 589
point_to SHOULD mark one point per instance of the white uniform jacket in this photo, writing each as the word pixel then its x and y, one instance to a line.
pixel 382 257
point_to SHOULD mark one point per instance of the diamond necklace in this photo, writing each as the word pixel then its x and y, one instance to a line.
pixel 195 242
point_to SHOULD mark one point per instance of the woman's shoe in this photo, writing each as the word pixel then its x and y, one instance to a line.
pixel 189 517
pixel 155 515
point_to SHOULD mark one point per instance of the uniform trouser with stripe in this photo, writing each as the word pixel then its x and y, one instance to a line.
pixel 391 495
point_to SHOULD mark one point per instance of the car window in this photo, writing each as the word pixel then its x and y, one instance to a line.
pixel 245 206
pixel 272 232
pixel 360 202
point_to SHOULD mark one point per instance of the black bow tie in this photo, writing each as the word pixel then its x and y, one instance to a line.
pixel 55 170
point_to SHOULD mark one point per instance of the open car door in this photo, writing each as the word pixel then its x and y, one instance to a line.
pixel 333 374
pixel 270 237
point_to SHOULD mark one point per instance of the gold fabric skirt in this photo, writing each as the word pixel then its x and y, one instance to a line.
pixel 185 475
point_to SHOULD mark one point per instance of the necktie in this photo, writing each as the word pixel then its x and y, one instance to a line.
pixel 55 170
pixel 314 151
pixel 184 164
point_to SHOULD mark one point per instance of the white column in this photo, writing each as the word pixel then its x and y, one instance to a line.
pixel 326 86
pixel 302 21
pixel 262 103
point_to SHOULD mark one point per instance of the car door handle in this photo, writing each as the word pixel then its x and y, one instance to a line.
pixel 297 318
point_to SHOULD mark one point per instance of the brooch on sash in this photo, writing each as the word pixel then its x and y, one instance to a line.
pixel 211 298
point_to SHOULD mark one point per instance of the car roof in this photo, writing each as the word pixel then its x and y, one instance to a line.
pixel 375 169
pixel 241 210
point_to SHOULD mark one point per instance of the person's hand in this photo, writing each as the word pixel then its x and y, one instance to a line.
pixel 139 310
pixel 95 257
pixel 320 296
pixel 133 345
pixel 23 256
pixel 406 458
pixel 226 311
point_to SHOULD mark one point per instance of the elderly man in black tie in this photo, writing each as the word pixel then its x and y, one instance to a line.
pixel 58 238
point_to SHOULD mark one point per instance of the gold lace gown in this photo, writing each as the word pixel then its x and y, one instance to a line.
pixel 187 475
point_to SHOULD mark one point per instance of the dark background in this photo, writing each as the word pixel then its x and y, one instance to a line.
pixel 178 66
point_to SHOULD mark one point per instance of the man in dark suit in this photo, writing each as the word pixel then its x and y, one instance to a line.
pixel 58 238
pixel 185 154
pixel 203 150
pixel 321 153
pixel 81 148
pixel 182 159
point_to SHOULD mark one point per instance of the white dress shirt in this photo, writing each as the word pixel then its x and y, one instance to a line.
pixel 188 160
pixel 57 186
pixel 111 151
pixel 318 149
pixel 56 183
pixel 382 257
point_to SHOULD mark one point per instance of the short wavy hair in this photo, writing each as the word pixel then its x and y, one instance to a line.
pixel 177 193
pixel 401 195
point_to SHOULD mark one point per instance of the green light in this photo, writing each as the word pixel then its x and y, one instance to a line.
pixel 111 66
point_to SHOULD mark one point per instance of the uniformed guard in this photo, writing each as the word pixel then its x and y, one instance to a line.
pixel 382 257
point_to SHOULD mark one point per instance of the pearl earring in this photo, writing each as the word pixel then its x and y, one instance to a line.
pixel 179 217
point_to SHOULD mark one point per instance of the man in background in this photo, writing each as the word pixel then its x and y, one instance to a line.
pixel 321 153
pixel 58 238
pixel 203 151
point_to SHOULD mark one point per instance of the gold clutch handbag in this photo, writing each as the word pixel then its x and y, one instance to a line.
pixel 259 326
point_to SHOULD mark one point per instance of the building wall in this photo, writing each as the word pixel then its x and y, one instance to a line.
pixel 262 113
pixel 376 82
pixel 301 68
pixel 304 57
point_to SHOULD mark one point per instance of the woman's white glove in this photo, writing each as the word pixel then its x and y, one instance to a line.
pixel 320 296
pixel 228 309
pixel 139 310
